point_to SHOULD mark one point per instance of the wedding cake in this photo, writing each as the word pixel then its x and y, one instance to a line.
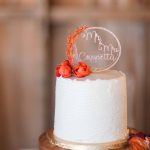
pixel 90 98
pixel 92 109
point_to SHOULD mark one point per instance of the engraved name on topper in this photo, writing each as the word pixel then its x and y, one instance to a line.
pixel 102 56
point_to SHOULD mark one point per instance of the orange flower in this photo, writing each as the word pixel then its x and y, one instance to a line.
pixel 81 70
pixel 65 62
pixel 64 69
pixel 137 143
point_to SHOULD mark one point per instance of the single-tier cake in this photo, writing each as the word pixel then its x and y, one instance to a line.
pixel 92 109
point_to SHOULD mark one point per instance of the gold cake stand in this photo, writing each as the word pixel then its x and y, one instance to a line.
pixel 48 142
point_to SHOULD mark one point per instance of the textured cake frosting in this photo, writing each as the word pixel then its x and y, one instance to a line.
pixel 92 109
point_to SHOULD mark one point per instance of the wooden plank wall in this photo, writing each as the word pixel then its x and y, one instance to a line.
pixel 30 49
pixel 147 104
pixel 22 76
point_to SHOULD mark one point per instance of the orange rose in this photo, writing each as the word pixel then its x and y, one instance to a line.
pixel 137 143
pixel 64 69
pixel 65 62
pixel 81 70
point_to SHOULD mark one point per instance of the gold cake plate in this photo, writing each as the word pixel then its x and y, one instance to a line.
pixel 48 141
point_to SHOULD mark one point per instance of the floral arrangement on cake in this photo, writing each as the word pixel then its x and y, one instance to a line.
pixel 138 140
pixel 67 69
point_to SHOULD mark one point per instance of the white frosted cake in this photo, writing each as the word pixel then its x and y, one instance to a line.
pixel 92 109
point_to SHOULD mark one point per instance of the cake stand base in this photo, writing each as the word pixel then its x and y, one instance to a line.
pixel 45 144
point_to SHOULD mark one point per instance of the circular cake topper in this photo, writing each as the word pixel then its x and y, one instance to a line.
pixel 98 47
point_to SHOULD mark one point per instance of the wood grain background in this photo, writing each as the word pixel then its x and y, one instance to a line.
pixel 33 41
